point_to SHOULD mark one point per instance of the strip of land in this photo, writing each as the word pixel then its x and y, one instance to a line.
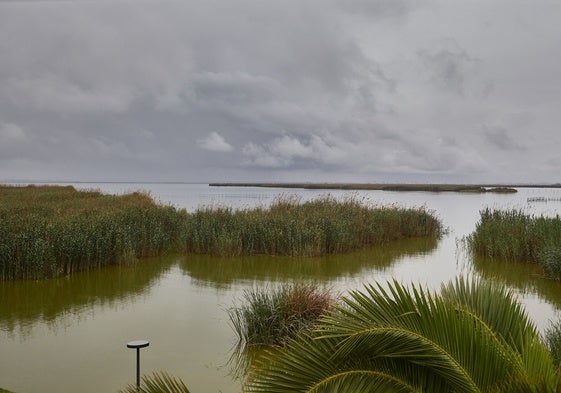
pixel 477 188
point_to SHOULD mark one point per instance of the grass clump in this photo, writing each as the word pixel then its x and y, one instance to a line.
pixel 513 235
pixel 313 228
pixel 271 317
pixel 52 231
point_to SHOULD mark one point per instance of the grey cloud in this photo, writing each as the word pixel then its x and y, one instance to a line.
pixel 10 133
pixel 214 142
pixel 233 88
pixel 412 152
pixel 199 89
pixel 380 8
pixel 449 67
pixel 13 138
pixel 287 151
pixel 499 137
pixel 50 93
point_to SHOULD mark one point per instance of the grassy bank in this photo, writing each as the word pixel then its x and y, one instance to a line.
pixel 513 235
pixel 53 231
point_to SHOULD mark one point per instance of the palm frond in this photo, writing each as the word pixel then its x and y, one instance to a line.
pixel 473 336
pixel 158 382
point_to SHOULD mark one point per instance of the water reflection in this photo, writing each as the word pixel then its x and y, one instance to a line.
pixel 223 272
pixel 24 303
pixel 527 278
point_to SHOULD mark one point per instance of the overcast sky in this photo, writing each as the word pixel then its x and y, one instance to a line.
pixel 280 90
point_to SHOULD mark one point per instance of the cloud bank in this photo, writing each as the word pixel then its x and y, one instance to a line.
pixel 246 90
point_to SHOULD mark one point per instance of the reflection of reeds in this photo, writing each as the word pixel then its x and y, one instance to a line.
pixel 223 271
pixel 513 235
pixel 24 303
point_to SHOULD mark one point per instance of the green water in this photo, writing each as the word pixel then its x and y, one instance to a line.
pixel 69 335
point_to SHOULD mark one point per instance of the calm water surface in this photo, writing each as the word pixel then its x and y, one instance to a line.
pixel 70 334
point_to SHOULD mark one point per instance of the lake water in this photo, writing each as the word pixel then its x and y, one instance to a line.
pixel 70 334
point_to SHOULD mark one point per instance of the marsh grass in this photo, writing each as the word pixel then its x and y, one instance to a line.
pixel 513 235
pixel 54 231
pixel 273 316
pixel 312 228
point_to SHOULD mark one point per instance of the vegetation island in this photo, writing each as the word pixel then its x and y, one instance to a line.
pixel 476 188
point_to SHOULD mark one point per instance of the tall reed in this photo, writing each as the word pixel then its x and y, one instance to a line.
pixel 513 235
pixel 54 231
pixel 312 228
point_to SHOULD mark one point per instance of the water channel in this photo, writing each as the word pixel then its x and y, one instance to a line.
pixel 70 334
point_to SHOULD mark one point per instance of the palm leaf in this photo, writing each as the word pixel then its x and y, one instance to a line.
pixel 471 337
pixel 158 383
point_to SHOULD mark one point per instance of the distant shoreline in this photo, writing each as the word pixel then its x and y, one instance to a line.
pixel 476 188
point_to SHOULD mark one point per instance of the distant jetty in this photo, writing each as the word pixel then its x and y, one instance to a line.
pixel 543 199
pixel 474 188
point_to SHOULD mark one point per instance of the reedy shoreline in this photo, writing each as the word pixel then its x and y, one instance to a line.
pixel 52 231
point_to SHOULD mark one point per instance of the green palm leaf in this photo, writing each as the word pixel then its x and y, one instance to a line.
pixel 158 383
pixel 470 337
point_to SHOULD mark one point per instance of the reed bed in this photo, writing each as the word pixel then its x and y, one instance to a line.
pixel 513 235
pixel 313 228
pixel 54 231
pixel 271 317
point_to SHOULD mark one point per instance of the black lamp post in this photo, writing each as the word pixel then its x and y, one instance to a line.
pixel 137 344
